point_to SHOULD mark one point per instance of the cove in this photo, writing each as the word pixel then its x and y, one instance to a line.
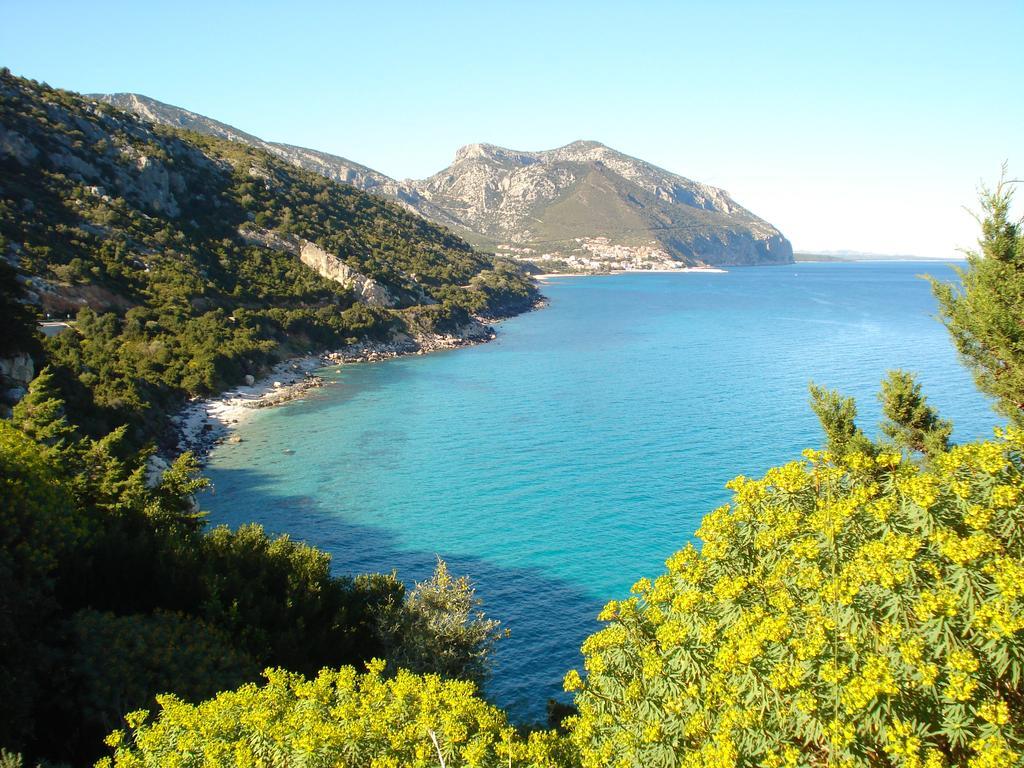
pixel 571 456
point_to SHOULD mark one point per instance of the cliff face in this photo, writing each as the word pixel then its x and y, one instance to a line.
pixel 327 265
pixel 100 209
pixel 583 205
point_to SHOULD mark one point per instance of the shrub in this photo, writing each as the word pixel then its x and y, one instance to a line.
pixel 851 611
pixel 341 718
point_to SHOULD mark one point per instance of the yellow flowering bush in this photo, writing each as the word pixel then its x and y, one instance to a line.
pixel 340 719
pixel 854 610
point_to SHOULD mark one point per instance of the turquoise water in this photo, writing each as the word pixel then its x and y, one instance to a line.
pixel 568 458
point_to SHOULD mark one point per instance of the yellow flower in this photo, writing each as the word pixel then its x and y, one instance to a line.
pixel 993 752
pixel 608 613
pixel 641 587
pixel 1005 496
pixel 962 660
pixel 960 687
pixel 995 712
pixel 573 681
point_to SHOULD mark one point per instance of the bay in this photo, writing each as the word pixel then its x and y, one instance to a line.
pixel 571 456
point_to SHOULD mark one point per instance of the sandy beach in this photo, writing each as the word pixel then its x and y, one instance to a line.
pixel 206 422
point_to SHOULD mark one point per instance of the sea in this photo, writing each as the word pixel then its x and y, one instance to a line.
pixel 571 456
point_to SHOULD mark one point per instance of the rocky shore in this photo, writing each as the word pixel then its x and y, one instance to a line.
pixel 206 422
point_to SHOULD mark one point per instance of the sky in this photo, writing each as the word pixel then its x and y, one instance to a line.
pixel 848 125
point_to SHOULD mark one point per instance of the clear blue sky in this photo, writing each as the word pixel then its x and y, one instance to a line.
pixel 848 125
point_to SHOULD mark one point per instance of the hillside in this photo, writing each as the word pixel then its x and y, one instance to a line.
pixel 193 260
pixel 582 206
pixel 335 168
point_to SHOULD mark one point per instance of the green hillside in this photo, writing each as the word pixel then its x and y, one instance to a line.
pixel 157 240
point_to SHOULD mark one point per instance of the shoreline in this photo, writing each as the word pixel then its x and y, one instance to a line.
pixel 203 423
pixel 545 276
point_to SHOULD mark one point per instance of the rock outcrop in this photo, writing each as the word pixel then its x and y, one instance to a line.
pixel 366 289
pixel 15 375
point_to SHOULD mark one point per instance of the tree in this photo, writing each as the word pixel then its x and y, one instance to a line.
pixel 277 599
pixel 440 629
pixel 121 663
pixel 40 413
pixel 18 318
pixel 984 314
pixel 37 527
pixel 910 422
pixel 838 417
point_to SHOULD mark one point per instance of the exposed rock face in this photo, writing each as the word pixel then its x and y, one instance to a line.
pixel 366 289
pixel 583 204
pixel 118 169
pixel 16 146
pixel 18 370
pixel 15 375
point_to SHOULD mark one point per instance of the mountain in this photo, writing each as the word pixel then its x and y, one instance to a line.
pixel 582 206
pixel 590 204
pixel 194 260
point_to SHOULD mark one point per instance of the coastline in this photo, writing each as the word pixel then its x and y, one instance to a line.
pixel 545 276
pixel 206 422
pixel 203 423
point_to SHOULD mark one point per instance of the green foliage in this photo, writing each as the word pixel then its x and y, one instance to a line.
pixel 341 719
pixel 911 423
pixel 278 600
pixel 983 315
pixel 496 292
pixel 437 318
pixel 112 592
pixel 15 760
pixel 118 663
pixel 854 610
pixel 37 528
pixel 17 318
pixel 40 413
pixel 838 417
pixel 440 629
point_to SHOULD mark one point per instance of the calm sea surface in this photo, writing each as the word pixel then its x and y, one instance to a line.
pixel 570 457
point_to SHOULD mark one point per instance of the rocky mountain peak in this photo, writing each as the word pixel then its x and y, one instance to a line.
pixel 490 153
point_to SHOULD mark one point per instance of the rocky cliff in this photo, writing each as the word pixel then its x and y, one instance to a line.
pixel 328 265
pixel 193 259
